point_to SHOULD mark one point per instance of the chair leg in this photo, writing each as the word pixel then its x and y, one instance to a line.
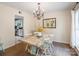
pixel 2 53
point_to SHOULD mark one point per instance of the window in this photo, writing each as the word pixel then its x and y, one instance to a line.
pixel 77 28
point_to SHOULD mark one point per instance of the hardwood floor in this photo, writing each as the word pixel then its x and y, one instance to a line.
pixel 17 50
pixel 60 49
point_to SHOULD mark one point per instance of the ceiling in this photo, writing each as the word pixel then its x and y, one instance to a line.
pixel 46 6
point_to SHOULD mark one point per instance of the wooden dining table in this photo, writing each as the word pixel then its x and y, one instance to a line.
pixel 32 41
pixel 35 42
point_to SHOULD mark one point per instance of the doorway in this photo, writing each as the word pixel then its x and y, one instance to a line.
pixel 19 28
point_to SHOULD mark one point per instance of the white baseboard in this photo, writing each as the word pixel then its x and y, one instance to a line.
pixel 10 45
pixel 62 42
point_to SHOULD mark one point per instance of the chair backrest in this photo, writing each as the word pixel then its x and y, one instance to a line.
pixel 1 48
pixel 48 38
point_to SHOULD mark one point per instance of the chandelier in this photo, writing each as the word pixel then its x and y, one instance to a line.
pixel 38 13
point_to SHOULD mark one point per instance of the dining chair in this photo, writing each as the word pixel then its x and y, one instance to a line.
pixel 1 49
pixel 44 50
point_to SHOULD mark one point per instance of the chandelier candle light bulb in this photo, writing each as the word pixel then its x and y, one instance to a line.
pixel 38 13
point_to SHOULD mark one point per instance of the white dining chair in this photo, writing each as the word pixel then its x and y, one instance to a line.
pixel 1 49
pixel 46 48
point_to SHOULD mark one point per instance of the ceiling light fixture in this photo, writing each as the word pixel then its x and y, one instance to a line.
pixel 38 13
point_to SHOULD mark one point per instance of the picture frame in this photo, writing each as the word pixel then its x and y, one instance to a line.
pixel 49 23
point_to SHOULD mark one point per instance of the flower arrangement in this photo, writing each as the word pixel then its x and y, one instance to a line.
pixel 40 29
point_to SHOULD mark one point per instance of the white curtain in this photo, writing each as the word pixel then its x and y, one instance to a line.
pixel 73 33
pixel 77 28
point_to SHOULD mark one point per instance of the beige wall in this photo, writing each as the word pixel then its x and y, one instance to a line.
pixel 7 31
pixel 63 26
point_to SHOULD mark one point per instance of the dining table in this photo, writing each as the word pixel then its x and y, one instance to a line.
pixel 34 42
